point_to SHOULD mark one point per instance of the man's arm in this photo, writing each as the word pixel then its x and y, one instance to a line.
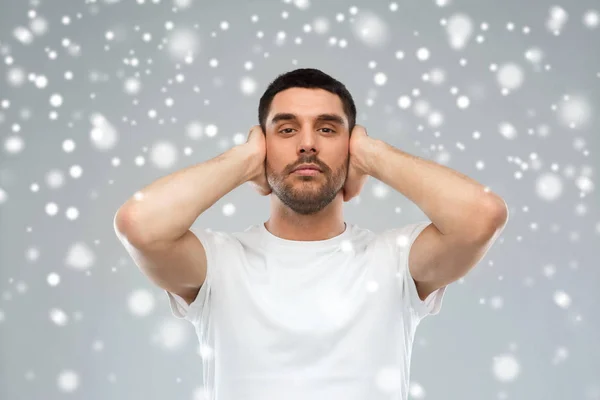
pixel 164 210
pixel 466 217
pixel 154 225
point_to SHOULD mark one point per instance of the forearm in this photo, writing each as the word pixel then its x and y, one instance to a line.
pixel 167 208
pixel 454 202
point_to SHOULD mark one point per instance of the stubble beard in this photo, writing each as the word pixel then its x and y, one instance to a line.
pixel 307 195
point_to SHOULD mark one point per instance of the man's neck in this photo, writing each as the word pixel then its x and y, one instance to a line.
pixel 289 225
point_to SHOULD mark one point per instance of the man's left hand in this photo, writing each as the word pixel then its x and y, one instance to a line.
pixel 358 166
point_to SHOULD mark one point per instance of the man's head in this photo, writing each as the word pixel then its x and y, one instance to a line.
pixel 307 117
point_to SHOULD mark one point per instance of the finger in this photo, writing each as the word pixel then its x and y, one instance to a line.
pixel 256 128
pixel 362 129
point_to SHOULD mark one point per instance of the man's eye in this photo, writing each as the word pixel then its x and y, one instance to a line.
pixel 329 130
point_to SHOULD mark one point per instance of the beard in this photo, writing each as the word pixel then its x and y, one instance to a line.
pixel 307 194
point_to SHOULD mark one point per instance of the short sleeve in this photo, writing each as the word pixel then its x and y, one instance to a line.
pixel 401 240
pixel 192 312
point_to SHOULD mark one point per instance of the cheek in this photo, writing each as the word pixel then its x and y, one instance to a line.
pixel 278 156
pixel 275 162
pixel 338 160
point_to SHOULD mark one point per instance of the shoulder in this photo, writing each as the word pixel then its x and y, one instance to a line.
pixel 214 238
pixel 400 239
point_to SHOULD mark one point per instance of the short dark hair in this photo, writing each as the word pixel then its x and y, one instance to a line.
pixel 309 78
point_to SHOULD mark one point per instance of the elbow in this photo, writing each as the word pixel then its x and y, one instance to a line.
pixel 121 221
pixel 125 225
pixel 499 213
pixel 495 219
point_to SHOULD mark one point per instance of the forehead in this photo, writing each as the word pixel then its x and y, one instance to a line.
pixel 306 103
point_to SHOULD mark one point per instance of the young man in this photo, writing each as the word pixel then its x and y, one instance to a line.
pixel 307 305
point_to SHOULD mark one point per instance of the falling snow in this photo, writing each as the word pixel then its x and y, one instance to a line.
pixel 506 368
pixel 141 303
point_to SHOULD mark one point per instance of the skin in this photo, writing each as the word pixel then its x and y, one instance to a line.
pixel 306 207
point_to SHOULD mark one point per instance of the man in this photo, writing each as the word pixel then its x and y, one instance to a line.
pixel 306 305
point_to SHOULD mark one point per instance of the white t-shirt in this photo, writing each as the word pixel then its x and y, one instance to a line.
pixel 321 320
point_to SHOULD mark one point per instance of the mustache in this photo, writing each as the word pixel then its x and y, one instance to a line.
pixel 314 161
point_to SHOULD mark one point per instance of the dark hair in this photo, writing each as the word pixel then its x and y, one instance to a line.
pixel 306 78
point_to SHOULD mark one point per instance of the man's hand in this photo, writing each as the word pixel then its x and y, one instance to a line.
pixel 358 167
pixel 256 144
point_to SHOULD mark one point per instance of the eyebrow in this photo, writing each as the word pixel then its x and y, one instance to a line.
pixel 335 118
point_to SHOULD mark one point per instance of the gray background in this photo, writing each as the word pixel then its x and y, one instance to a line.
pixel 522 325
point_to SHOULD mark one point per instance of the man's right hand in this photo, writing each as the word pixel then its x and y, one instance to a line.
pixel 256 144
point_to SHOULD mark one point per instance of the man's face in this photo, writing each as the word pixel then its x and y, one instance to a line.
pixel 296 135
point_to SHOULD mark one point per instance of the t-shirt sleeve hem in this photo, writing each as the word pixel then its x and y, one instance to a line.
pixel 181 310
pixel 433 303
pixel 179 307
